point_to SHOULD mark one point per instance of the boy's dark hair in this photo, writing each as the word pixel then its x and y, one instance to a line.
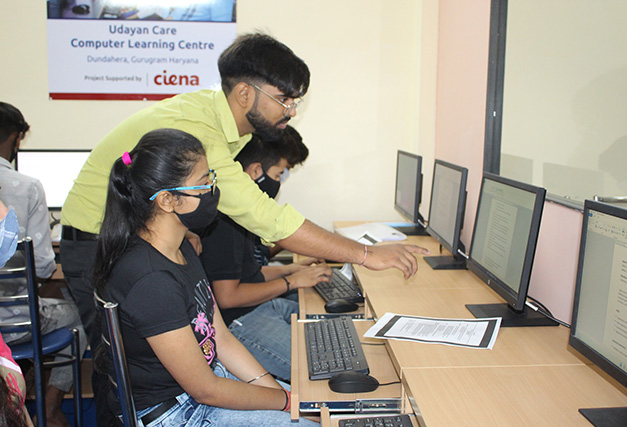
pixel 289 146
pixel 260 59
pixel 258 151
pixel 11 120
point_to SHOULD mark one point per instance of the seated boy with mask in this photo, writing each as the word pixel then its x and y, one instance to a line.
pixel 292 148
pixel 247 293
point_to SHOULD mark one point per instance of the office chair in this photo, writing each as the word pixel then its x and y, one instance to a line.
pixel 41 344
pixel 115 343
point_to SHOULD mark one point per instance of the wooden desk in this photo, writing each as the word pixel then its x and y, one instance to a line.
pixel 530 377
pixel 504 396
pixel 514 346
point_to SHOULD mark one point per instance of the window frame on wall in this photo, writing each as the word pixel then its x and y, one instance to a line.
pixel 495 94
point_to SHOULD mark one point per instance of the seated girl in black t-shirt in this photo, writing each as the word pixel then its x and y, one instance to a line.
pixel 185 366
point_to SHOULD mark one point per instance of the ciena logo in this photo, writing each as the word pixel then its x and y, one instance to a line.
pixel 176 79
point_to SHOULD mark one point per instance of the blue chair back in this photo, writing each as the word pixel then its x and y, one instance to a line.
pixel 22 268
pixel 116 346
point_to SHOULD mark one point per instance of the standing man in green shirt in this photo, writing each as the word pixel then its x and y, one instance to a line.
pixel 263 82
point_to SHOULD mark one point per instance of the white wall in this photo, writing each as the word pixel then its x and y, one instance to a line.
pixel 369 85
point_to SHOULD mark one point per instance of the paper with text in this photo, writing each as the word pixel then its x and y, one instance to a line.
pixel 472 333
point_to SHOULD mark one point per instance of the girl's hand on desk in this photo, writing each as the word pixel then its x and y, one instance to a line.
pixel 310 276
pixel 382 257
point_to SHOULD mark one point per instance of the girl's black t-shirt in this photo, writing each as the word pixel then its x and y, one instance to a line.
pixel 156 295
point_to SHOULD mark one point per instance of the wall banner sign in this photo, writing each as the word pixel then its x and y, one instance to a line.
pixel 100 50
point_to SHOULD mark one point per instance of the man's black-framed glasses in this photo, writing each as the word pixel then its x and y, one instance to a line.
pixel 293 106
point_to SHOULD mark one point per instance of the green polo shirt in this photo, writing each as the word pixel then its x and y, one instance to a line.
pixel 206 115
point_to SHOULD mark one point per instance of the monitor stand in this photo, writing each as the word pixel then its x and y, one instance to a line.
pixel 510 317
pixel 446 262
pixel 409 229
pixel 605 417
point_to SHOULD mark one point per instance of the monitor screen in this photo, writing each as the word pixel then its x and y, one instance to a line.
pixel 504 241
pixel 56 169
pixel 599 323
pixel 408 185
pixel 446 213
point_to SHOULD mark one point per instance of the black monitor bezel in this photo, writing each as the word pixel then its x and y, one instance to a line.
pixel 49 150
pixel 453 246
pixel 576 343
pixel 415 215
pixel 515 300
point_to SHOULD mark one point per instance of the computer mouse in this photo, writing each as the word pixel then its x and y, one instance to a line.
pixel 352 382
pixel 340 306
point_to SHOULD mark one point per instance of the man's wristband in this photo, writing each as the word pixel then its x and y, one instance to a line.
pixel 363 261
pixel 287 282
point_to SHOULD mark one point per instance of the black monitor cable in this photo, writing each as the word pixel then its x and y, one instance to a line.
pixel 53 221
pixel 544 311
pixel 391 383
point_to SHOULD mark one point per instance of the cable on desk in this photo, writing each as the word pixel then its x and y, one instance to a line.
pixel 392 383
pixel 544 313
pixel 539 304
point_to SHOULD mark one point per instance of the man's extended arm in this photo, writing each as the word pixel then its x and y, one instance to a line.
pixel 315 241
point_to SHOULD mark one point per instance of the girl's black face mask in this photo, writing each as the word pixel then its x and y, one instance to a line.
pixel 268 185
pixel 204 214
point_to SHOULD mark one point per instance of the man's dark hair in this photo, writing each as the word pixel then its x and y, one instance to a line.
pixel 260 59
pixel 11 120
pixel 289 146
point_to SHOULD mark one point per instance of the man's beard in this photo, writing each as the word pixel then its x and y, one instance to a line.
pixel 266 130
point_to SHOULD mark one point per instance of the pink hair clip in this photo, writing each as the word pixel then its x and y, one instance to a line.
pixel 126 158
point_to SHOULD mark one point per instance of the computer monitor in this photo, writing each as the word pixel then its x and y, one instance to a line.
pixel 599 324
pixel 56 169
pixel 446 214
pixel 503 246
pixel 408 192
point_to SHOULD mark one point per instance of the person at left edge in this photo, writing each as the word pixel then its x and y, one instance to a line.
pixel 25 195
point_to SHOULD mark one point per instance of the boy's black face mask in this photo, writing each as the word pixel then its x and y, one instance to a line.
pixel 268 185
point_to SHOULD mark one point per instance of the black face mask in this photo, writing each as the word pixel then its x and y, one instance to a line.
pixel 268 185
pixel 204 214
pixel 14 150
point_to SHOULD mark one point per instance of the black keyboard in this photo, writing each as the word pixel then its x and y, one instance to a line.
pixel 377 421
pixel 339 288
pixel 333 346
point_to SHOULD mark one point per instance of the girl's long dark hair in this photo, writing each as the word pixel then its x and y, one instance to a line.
pixel 163 158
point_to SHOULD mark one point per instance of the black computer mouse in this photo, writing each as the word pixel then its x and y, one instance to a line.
pixel 340 306
pixel 352 382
